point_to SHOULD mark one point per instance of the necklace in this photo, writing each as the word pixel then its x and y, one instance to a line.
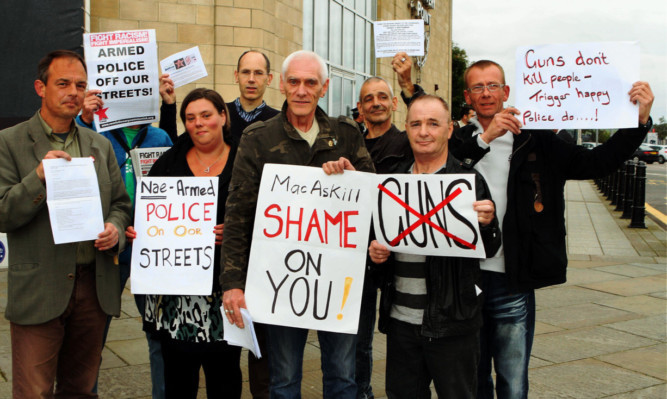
pixel 207 169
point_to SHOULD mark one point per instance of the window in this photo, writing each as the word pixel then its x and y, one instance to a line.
pixel 340 32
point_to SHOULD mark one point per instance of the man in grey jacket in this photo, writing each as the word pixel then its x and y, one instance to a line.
pixel 59 296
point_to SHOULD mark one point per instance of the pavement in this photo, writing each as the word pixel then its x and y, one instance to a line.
pixel 600 335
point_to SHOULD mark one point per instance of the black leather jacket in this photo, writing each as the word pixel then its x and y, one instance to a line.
pixel 390 150
pixel 534 234
pixel 453 306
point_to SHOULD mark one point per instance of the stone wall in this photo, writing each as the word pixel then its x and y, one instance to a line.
pixel 438 66
pixel 223 29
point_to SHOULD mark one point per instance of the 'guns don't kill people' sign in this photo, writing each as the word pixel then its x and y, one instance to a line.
pixel 308 255
pixel 174 251
pixel 577 86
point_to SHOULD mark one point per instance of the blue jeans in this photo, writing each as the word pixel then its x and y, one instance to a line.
pixel 286 346
pixel 506 339
pixel 364 352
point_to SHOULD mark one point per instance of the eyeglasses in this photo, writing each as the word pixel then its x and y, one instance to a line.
pixel 491 88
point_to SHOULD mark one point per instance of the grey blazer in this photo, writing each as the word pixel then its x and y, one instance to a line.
pixel 40 278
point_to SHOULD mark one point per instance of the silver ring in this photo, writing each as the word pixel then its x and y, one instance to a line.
pixel 231 312
pixel 226 310
pixel 403 59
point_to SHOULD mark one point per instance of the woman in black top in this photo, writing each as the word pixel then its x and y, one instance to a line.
pixel 190 326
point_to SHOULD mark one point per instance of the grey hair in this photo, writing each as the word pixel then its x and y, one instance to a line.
pixel 324 73
pixel 375 79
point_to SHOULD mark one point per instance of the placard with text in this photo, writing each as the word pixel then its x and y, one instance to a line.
pixel 174 251
pixel 574 86
pixel 428 215
pixel 124 66
pixel 309 245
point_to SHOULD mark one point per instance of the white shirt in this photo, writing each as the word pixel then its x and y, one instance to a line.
pixel 495 168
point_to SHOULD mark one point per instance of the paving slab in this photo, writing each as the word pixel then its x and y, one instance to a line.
pixel 641 304
pixel 536 362
pixel 378 378
pixel 566 346
pixel 4 323
pixel 127 305
pixel 587 378
pixel 576 276
pixel 631 270
pixel 649 360
pixel 5 368
pixel 125 382
pixel 5 389
pixel 649 327
pixel 624 259
pixel 124 329
pixel 563 296
pixel 311 384
pixel 583 315
pixel 110 360
pixel 5 343
pixel 544 328
pixel 586 249
pixel 630 286
pixel 578 257
pixel 650 241
pixel 662 260
pixel 5 356
pixel 587 263
pixel 660 264
pixel 131 351
pixel 654 392
pixel 662 294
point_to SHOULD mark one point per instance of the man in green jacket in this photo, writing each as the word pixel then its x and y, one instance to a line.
pixel 301 134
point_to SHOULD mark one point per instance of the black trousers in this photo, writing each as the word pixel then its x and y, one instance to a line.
pixel 413 361
pixel 258 369
pixel 182 361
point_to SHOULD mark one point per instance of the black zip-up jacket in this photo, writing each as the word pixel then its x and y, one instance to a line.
pixel 453 306
pixel 534 223
pixel 390 150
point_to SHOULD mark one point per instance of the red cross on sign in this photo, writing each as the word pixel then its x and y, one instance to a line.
pixel 421 219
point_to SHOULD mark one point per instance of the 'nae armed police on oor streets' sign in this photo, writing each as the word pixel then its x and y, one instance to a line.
pixel 308 255
pixel 175 246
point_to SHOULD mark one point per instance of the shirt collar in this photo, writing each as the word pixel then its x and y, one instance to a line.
pixel 49 131
pixel 478 126
pixel 251 115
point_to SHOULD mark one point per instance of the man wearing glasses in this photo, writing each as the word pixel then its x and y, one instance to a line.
pixel 526 173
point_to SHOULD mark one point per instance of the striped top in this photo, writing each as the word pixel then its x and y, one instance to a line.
pixel 410 282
